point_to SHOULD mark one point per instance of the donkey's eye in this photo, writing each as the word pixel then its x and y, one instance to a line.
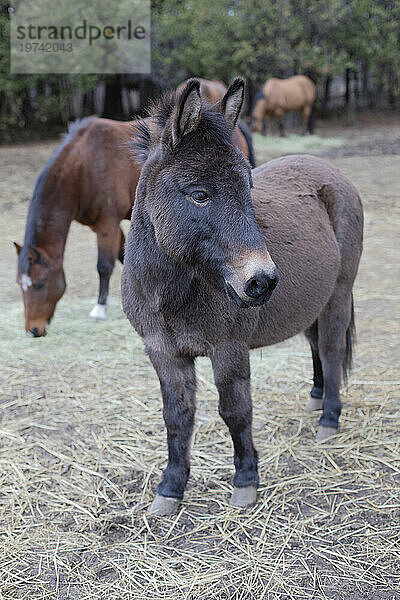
pixel 38 286
pixel 199 196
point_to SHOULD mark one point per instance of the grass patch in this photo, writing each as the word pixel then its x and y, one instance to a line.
pixel 267 147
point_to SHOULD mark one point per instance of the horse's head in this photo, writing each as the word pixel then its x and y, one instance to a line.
pixel 194 194
pixel 42 282
pixel 257 119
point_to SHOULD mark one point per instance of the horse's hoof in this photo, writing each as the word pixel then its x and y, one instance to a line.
pixel 163 506
pixel 243 496
pixel 325 433
pixel 98 312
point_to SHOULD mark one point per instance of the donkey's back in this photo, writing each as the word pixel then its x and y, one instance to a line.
pixel 311 218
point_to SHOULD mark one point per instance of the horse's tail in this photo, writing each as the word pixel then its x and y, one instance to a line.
pixel 350 339
pixel 311 120
pixel 249 141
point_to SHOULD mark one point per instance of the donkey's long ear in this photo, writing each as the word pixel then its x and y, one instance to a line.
pixel 188 111
pixel 232 102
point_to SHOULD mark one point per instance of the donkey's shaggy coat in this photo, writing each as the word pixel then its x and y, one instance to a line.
pixel 198 277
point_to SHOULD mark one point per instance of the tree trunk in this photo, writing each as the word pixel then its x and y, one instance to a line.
pixel 88 103
pixel 327 94
pixel 350 112
pixel 348 80
pixel 113 101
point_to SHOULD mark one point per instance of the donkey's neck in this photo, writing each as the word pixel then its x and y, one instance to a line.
pixel 164 282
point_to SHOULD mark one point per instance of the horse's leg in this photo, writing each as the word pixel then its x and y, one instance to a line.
pixel 178 387
pixel 108 246
pixel 232 377
pixel 334 342
pixel 266 123
pixel 317 391
pixel 121 253
pixel 305 115
pixel 279 117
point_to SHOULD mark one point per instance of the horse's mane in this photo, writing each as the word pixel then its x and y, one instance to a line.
pixel 147 131
pixel 30 229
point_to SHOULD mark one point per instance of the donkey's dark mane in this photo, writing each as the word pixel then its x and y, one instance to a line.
pixel 212 125
pixel 30 229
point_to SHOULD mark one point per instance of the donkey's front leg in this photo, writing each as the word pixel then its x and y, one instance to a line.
pixel 178 387
pixel 232 377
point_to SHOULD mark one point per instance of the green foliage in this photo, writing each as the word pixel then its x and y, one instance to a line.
pixel 224 38
pixel 264 38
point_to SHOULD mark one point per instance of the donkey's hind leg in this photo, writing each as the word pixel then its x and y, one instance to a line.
pixel 335 325
pixel 317 391
pixel 232 377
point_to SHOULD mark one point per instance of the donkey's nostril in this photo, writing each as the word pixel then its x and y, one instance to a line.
pixel 256 286
pixel 261 283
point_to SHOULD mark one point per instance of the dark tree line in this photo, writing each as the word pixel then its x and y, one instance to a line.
pixel 356 40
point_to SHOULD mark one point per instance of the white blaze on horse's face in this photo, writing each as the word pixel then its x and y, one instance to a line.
pixel 26 282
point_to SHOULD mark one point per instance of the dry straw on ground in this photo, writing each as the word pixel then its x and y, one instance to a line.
pixel 83 443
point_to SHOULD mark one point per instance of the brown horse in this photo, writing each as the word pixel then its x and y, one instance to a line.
pixel 282 95
pixel 213 91
pixel 89 179
pixel 198 277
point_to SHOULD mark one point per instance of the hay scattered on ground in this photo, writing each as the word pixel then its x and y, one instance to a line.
pixel 83 445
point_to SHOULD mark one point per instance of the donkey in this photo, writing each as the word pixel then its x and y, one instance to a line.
pixel 198 277
pixel 278 96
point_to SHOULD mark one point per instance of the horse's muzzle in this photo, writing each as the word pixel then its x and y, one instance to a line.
pixel 35 332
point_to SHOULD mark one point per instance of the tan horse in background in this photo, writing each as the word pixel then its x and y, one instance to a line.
pixel 279 96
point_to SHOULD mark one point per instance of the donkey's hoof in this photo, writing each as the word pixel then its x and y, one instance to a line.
pixel 316 392
pixel 98 312
pixel 163 505
pixel 314 404
pixel 243 496
pixel 324 433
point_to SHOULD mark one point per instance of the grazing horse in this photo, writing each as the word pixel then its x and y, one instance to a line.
pixel 282 95
pixel 213 91
pixel 89 179
pixel 198 278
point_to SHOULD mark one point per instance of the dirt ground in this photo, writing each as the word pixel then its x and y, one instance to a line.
pixel 82 441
